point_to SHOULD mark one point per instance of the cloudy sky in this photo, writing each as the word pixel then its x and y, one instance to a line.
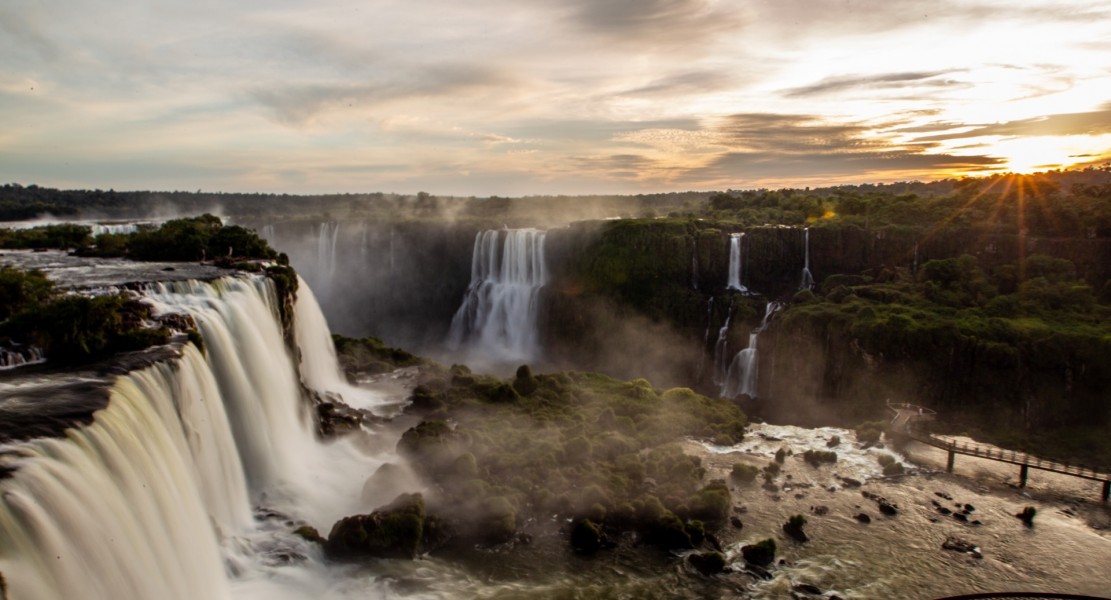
pixel 516 97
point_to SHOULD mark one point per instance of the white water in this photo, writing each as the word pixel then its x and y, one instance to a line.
pixel 326 248
pixel 498 316
pixel 735 259
pixel 743 374
pixel 153 499
pixel 320 368
pixel 721 349
pixel 807 279
pixel 13 357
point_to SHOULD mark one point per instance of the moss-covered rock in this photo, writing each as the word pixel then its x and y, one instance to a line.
pixel 707 563
pixel 761 553
pixel 394 531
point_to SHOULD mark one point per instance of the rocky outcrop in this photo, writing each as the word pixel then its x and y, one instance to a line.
pixel 393 531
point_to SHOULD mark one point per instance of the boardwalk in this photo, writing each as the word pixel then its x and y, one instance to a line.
pixel 907 415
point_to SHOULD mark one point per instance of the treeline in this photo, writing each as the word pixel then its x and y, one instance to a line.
pixel 194 238
pixel 1052 204
pixel 18 203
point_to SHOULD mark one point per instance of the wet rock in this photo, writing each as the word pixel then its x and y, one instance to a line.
pixel 760 554
pixel 793 528
pixel 850 482
pixel 586 537
pixel 336 418
pixel 833 442
pixel 771 487
pixel 969 508
pixel 714 542
pixel 740 510
pixel 863 518
pixel 806 588
pixel 394 531
pixel 943 495
pixel 707 563
pixel 886 506
pixel 820 510
pixel 309 533
pixel 961 517
pixel 956 544
pixel 1027 516
pixel 736 522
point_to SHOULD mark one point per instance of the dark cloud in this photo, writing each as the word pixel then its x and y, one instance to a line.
pixel 779 133
pixel 1084 123
pixel 884 81
pixel 645 24
pixel 295 104
pixel 765 146
pixel 697 82
pixel 843 162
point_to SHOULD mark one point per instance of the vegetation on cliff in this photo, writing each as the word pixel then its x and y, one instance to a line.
pixel 1018 352
pixel 71 328
pixel 579 446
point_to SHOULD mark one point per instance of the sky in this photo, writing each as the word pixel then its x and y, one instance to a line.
pixel 523 97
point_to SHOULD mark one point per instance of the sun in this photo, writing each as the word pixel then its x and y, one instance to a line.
pixel 1033 154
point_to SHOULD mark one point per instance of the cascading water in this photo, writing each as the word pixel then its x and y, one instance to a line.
pixel 807 279
pixel 705 337
pixel 735 259
pixel 319 364
pixel 326 248
pixel 498 316
pixel 721 349
pixel 742 377
pixel 154 497
pixel 18 356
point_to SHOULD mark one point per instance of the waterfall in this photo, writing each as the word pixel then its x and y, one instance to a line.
pixel 807 279
pixel 319 364
pixel 742 377
pixel 498 315
pixel 142 502
pixel 326 248
pixel 735 258
pixel 705 337
pixel 721 349
pixel 18 355
pixel 113 228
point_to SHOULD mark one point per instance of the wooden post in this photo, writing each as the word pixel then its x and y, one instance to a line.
pixel 1106 490
pixel 952 457
pixel 1022 474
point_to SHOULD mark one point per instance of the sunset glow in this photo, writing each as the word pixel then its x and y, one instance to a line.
pixel 509 98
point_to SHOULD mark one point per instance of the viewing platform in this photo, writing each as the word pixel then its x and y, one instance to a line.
pixel 907 415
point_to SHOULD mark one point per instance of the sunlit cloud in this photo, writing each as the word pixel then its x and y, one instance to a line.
pixel 552 96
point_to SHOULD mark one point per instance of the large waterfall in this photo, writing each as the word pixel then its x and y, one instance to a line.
pixel 735 261
pixel 743 373
pixel 498 316
pixel 154 498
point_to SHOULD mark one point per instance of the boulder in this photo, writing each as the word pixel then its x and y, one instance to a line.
pixel 793 528
pixel 863 518
pixel 956 544
pixel 586 537
pixel 707 563
pixel 736 522
pixel 760 554
pixel 393 531
pixel 1027 516
pixel 806 588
